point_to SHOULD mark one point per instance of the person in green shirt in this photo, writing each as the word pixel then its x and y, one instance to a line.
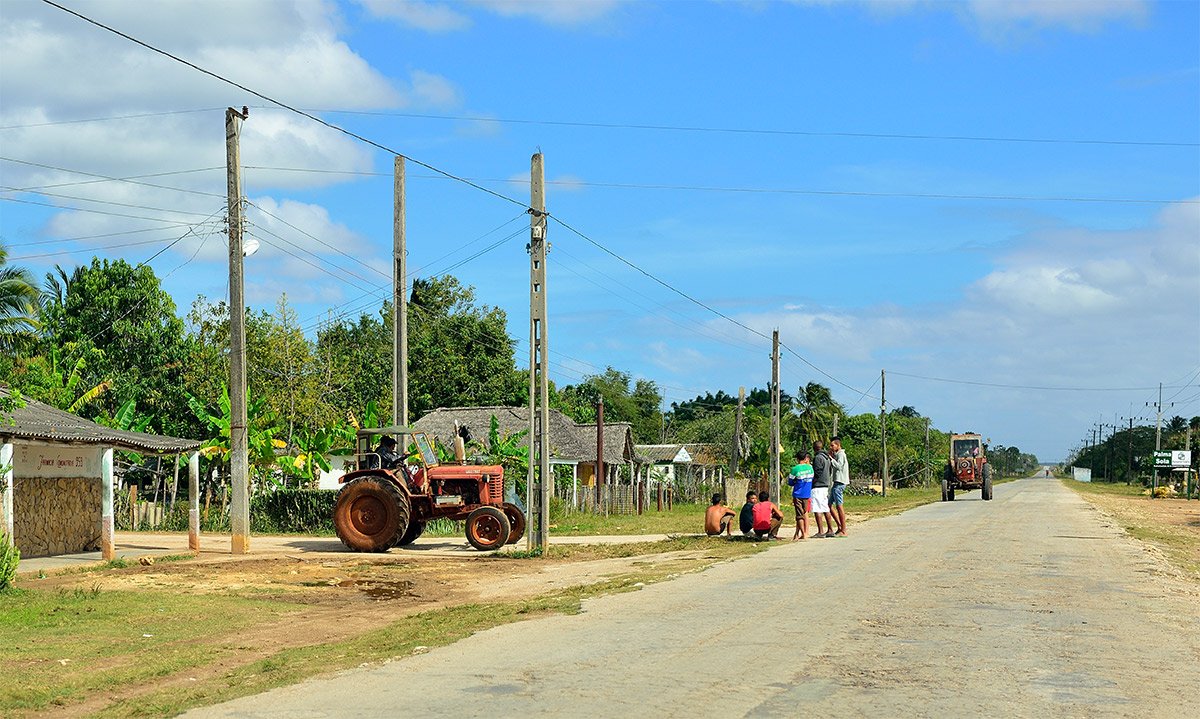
pixel 800 480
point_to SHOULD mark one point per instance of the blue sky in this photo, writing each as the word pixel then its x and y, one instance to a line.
pixel 774 185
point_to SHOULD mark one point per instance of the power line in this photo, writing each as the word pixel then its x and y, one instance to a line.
pixel 94 237
pixel 697 302
pixel 105 178
pixel 6 188
pixel 1029 387
pixel 95 212
pixel 283 105
pixel 759 131
pixel 111 117
pixel 94 249
pixel 775 190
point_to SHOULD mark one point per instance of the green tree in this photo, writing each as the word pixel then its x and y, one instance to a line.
pixel 18 302
pixel 625 400
pixel 123 311
pixel 459 353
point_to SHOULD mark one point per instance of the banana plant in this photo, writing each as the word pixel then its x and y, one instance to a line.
pixel 314 447
pixel 261 426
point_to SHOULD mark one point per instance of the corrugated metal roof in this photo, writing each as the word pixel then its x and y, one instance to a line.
pixel 37 421
pixel 569 442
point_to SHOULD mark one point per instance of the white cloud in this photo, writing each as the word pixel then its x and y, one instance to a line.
pixel 1121 308
pixel 445 17
pixel 997 19
pixel 428 16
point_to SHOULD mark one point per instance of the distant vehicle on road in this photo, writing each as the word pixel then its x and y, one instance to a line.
pixel 967 468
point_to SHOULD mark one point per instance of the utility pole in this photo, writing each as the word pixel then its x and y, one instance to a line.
pixel 538 485
pixel 925 459
pixel 1129 468
pixel 883 472
pixel 399 301
pixel 1158 407
pixel 599 451
pixel 735 450
pixel 775 410
pixel 239 461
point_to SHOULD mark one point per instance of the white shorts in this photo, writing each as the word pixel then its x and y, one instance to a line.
pixel 820 500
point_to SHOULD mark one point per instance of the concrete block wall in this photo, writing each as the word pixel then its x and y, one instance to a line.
pixel 56 516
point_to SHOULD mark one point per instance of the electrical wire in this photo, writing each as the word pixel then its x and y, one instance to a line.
pixel 106 119
pixel 1026 387
pixel 94 237
pixel 114 203
pixel 133 180
pixel 283 105
pixel 753 131
pixel 94 212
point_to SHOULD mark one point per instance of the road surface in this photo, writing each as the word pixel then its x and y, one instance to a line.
pixel 1030 605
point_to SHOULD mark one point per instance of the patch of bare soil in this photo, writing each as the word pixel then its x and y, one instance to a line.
pixel 340 598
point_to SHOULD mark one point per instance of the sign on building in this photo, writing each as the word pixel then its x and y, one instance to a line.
pixel 49 461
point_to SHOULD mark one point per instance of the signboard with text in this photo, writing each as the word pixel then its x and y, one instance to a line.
pixel 44 461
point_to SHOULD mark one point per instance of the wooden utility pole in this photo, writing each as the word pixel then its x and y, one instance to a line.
pixel 538 486
pixel 599 452
pixel 239 461
pixel 735 450
pixel 883 470
pixel 1158 406
pixel 775 415
pixel 925 459
pixel 399 301
pixel 1129 466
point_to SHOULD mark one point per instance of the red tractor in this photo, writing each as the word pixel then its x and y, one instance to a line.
pixel 967 467
pixel 383 507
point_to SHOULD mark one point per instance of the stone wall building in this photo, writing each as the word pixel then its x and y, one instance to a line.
pixel 56 478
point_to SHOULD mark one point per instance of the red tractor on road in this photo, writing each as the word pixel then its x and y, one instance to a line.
pixel 382 507
pixel 967 467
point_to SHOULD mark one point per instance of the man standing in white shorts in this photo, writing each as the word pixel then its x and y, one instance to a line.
pixel 820 491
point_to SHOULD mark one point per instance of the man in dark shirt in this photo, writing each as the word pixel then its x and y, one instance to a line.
pixel 820 490
pixel 746 517
pixel 386 450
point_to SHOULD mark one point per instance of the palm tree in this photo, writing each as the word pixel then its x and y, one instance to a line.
pixel 815 410
pixel 18 302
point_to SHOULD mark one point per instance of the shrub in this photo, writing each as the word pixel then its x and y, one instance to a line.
pixel 9 557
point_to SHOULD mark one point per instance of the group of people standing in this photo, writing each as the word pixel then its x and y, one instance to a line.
pixel 818 482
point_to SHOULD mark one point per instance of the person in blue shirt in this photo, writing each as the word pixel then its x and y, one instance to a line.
pixel 800 480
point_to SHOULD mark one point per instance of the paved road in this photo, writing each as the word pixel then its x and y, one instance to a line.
pixel 1030 605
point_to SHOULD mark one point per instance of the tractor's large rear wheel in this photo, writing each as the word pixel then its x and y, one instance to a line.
pixel 371 514
pixel 487 528
pixel 516 518
pixel 414 531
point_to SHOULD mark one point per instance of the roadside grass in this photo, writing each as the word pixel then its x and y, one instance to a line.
pixel 714 548
pixel 59 647
pixel 62 648
pixel 1134 511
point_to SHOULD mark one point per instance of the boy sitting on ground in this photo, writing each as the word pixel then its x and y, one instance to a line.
pixel 767 517
pixel 746 518
pixel 718 518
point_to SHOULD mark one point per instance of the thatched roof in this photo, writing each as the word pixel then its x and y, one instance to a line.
pixel 40 422
pixel 569 442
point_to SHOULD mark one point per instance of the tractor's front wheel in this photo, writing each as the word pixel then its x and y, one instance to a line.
pixel 987 482
pixel 371 514
pixel 945 490
pixel 516 518
pixel 487 528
